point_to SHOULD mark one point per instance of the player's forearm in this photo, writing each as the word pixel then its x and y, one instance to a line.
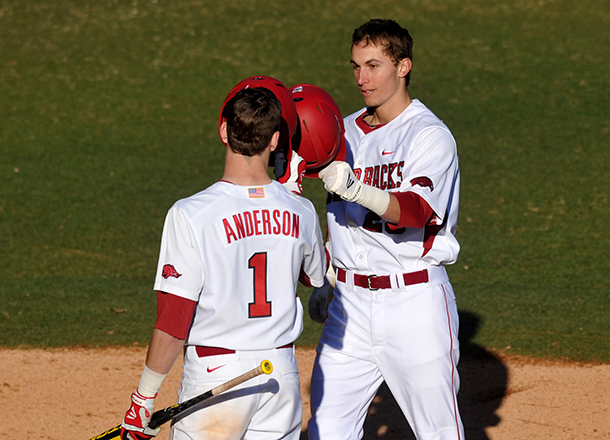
pixel 392 214
pixel 163 351
pixel 407 210
pixel 162 354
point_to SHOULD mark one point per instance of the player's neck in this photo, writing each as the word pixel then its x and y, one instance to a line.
pixel 389 109
pixel 246 171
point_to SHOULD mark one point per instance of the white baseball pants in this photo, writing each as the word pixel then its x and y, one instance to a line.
pixel 407 338
pixel 267 407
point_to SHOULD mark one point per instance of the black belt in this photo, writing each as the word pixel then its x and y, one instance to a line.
pixel 375 282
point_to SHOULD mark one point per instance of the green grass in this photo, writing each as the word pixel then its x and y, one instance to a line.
pixel 109 114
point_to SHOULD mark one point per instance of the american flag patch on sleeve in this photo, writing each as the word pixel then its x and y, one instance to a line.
pixel 256 193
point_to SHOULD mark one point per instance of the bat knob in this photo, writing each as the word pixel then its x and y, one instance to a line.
pixel 266 367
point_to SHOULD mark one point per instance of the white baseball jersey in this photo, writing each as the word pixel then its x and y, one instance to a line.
pixel 414 152
pixel 406 334
pixel 238 252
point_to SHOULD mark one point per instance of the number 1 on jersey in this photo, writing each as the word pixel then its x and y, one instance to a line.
pixel 260 307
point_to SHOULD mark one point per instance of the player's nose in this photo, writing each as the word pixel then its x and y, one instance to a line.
pixel 361 77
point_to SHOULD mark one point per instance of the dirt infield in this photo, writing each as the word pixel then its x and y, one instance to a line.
pixel 79 393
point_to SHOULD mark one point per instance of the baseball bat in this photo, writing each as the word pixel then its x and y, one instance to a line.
pixel 165 415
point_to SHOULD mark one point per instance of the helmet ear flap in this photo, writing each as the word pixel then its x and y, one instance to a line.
pixel 319 137
pixel 290 118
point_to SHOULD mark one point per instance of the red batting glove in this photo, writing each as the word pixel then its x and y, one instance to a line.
pixel 135 424
pixel 289 171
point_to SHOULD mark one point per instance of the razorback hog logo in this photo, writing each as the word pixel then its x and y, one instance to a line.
pixel 170 271
pixel 423 181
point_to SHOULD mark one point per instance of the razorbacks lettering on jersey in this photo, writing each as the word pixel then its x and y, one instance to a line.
pixel 413 152
pixel 237 251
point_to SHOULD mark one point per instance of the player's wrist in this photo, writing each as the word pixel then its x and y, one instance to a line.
pixel 374 199
pixel 150 383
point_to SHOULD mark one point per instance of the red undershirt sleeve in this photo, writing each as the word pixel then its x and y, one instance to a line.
pixel 174 314
pixel 414 210
pixel 304 279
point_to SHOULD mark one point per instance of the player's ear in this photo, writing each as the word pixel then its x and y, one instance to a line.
pixel 224 137
pixel 274 140
pixel 404 67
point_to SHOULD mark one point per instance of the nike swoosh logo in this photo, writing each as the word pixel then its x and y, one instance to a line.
pixel 385 153
pixel 210 370
pixel 350 182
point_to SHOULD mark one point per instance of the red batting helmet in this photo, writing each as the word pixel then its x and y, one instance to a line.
pixel 319 138
pixel 289 112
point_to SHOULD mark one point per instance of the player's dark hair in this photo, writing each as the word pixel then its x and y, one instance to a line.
pixel 253 115
pixel 395 40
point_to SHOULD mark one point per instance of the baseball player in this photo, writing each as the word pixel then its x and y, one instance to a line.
pixel 230 259
pixel 392 215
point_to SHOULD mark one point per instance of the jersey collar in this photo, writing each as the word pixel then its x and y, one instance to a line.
pixel 365 126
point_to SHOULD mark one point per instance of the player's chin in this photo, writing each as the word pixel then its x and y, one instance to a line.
pixel 370 98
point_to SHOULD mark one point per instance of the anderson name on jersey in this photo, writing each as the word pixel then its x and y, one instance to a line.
pixel 261 222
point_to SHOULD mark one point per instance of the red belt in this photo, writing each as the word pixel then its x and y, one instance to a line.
pixel 215 351
pixel 375 282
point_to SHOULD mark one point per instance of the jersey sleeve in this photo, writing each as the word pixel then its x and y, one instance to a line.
pixel 431 169
pixel 180 269
pixel 314 262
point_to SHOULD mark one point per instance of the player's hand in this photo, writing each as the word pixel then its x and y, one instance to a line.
pixel 319 301
pixel 289 171
pixel 339 178
pixel 135 424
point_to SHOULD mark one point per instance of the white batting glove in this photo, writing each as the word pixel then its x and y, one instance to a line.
pixel 290 173
pixel 319 301
pixel 339 178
